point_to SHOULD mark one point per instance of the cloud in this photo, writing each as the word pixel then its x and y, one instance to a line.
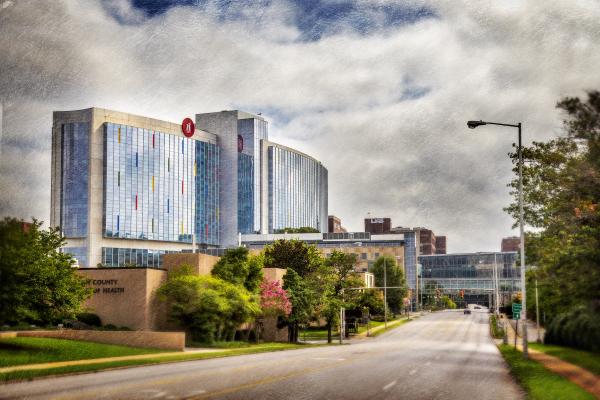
pixel 382 104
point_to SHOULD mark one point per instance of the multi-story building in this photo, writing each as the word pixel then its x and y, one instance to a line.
pixel 512 243
pixel 426 241
pixel 367 247
pixel 294 190
pixel 440 245
pixel 334 225
pixel 378 225
pixel 128 189
pixel 472 275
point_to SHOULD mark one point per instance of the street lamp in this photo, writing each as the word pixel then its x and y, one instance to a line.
pixel 473 125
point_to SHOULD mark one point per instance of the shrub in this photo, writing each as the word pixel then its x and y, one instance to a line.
pixel 579 328
pixel 89 319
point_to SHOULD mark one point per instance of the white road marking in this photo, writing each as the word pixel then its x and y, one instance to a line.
pixel 414 371
pixel 328 358
pixel 389 385
pixel 195 392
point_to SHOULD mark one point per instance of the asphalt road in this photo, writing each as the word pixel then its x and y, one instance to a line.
pixel 445 355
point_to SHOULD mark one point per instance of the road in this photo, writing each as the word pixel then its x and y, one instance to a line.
pixel 445 355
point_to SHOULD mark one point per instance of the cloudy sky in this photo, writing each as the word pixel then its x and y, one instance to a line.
pixel 379 91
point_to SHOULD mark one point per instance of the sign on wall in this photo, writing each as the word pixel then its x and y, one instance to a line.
pixel 188 127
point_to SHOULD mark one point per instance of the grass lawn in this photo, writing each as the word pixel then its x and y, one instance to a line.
pixel 391 325
pixel 582 358
pixel 319 333
pixel 538 382
pixel 30 350
pixel 261 348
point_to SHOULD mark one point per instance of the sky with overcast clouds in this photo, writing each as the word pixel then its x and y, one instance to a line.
pixel 378 91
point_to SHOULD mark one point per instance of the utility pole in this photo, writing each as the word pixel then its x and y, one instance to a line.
pixel 385 293
pixel 537 312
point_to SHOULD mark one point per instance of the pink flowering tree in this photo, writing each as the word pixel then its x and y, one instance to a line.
pixel 274 300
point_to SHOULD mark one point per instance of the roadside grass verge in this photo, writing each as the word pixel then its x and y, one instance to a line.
pixel 261 348
pixel 319 333
pixel 391 325
pixel 538 382
pixel 497 331
pixel 582 358
pixel 30 350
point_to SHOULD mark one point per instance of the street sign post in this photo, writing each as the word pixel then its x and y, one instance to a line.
pixel 516 310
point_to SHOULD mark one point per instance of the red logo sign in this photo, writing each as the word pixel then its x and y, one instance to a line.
pixel 188 127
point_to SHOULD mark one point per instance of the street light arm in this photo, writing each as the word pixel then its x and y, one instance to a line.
pixel 501 124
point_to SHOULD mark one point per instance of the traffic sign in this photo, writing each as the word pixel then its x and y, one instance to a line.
pixel 516 310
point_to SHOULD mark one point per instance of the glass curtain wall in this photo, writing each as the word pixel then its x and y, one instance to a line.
pixel 245 194
pixel 150 184
pixel 470 271
pixel 75 150
pixel 296 186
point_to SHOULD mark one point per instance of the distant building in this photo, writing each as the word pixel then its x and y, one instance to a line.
pixel 427 241
pixel 470 278
pixel 510 244
pixel 440 245
pixel 334 225
pixel 378 226
pixel 367 247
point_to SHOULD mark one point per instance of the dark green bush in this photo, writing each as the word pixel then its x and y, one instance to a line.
pixel 579 328
pixel 89 319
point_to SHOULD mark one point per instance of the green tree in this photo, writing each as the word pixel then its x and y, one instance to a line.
pixel 561 183
pixel 302 229
pixel 294 254
pixel 39 284
pixel 303 299
pixel 211 308
pixel 395 277
pixel 238 267
pixel 338 275
pixel 372 300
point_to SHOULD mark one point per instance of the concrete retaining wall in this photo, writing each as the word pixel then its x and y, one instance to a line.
pixel 145 339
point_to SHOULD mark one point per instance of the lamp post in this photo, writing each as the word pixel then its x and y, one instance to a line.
pixel 473 125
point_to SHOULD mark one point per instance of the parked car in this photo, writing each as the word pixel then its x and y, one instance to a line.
pixel 467 311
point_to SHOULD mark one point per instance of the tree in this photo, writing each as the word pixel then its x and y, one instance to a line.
pixel 561 185
pixel 338 274
pixel 238 267
pixel 294 254
pixel 39 284
pixel 395 277
pixel 302 229
pixel 274 300
pixel 303 299
pixel 306 286
pixel 372 300
pixel 211 308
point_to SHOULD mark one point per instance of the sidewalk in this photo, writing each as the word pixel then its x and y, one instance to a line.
pixel 580 376
pixel 60 364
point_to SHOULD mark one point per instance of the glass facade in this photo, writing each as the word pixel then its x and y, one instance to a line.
pixel 297 190
pixel 252 131
pixel 474 271
pixel 119 257
pixel 207 193
pixel 79 253
pixel 75 150
pixel 410 259
pixel 245 193
pixel 155 183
